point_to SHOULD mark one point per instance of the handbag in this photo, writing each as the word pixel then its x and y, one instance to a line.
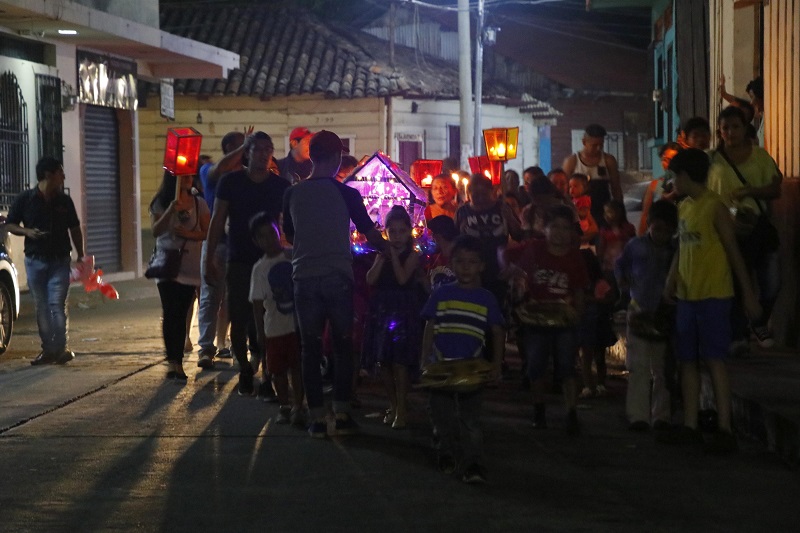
pixel 757 235
pixel 166 263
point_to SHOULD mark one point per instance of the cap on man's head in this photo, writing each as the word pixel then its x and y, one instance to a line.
pixel 325 144
pixel 299 133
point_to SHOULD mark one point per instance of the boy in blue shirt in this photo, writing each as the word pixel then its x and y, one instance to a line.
pixel 642 269
pixel 458 316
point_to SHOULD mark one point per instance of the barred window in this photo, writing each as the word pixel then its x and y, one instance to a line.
pixel 14 155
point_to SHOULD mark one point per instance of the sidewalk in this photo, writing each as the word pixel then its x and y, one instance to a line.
pixel 765 386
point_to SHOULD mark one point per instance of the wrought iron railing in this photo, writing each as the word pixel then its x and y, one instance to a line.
pixel 48 113
pixel 14 154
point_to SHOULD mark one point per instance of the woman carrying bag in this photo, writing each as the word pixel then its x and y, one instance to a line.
pixel 747 180
pixel 180 224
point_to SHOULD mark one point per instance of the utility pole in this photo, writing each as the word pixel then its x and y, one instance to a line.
pixel 392 15
pixel 478 142
pixel 464 82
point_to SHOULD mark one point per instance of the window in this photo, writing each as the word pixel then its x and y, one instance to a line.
pixel 14 154
pixel 48 111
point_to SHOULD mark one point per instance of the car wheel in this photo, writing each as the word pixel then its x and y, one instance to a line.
pixel 6 317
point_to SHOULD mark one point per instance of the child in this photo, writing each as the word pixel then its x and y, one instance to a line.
pixel 596 328
pixel 394 330
pixel 579 192
pixel 701 277
pixel 458 316
pixel 438 268
pixel 556 277
pixel 642 270
pixel 272 296
pixel 613 236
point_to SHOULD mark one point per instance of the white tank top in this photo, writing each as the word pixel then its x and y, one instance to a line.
pixel 591 171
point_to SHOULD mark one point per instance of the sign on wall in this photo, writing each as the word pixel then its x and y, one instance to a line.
pixel 167 99
pixel 106 81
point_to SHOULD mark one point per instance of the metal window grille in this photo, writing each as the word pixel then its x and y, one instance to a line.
pixel 14 155
pixel 48 112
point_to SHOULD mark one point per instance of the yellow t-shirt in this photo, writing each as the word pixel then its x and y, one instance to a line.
pixel 758 171
pixel 703 268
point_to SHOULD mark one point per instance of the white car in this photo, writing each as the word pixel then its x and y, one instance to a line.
pixel 9 297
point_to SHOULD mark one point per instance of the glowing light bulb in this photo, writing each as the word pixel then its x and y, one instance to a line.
pixel 181 160
pixel 501 150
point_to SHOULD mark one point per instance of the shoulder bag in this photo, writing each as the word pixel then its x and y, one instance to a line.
pixel 166 263
pixel 757 236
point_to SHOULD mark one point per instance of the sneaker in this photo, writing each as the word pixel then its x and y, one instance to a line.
pixel 245 383
pixel 446 463
pixel 571 425
pixel 225 353
pixel 345 425
pixel 721 443
pixel 586 392
pixel 601 390
pixel 318 428
pixel 639 425
pixel 764 336
pixel 299 417
pixel 474 475
pixel 205 361
pixel 65 357
pixel 267 393
pixel 284 415
pixel 44 358
pixel 539 418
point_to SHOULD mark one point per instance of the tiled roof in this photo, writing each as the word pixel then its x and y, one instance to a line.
pixel 290 52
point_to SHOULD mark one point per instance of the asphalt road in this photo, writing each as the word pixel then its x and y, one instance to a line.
pixel 106 444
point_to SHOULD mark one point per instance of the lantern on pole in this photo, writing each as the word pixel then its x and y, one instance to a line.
pixel 182 154
pixel 423 171
pixel 483 165
pixel 501 143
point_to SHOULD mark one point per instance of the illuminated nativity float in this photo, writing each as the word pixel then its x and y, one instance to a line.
pixel 383 184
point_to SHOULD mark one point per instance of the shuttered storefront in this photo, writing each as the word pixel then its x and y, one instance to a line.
pixel 101 159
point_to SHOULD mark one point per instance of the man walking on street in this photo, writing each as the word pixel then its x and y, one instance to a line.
pixel 296 166
pixel 316 220
pixel 601 168
pixel 46 217
pixel 213 296
pixel 240 196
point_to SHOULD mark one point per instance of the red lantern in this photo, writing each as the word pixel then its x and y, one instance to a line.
pixel 423 171
pixel 183 151
pixel 490 169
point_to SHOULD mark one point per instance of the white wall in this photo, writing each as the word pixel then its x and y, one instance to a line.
pixel 25 71
pixel 434 116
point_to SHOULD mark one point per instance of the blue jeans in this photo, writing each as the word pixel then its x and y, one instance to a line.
pixel 211 297
pixel 542 343
pixel 48 281
pixel 317 300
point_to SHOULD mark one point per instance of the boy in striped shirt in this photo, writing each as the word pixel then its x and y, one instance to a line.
pixel 458 317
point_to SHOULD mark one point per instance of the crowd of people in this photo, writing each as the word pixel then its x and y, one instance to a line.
pixel 544 263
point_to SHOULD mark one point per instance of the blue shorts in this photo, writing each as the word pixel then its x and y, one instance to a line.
pixel 562 343
pixel 703 329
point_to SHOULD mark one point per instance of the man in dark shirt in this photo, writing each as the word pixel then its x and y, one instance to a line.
pixel 46 217
pixel 240 196
pixel 297 165
pixel 213 296
pixel 316 220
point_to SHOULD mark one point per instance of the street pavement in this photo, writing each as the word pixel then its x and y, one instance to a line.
pixel 105 443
